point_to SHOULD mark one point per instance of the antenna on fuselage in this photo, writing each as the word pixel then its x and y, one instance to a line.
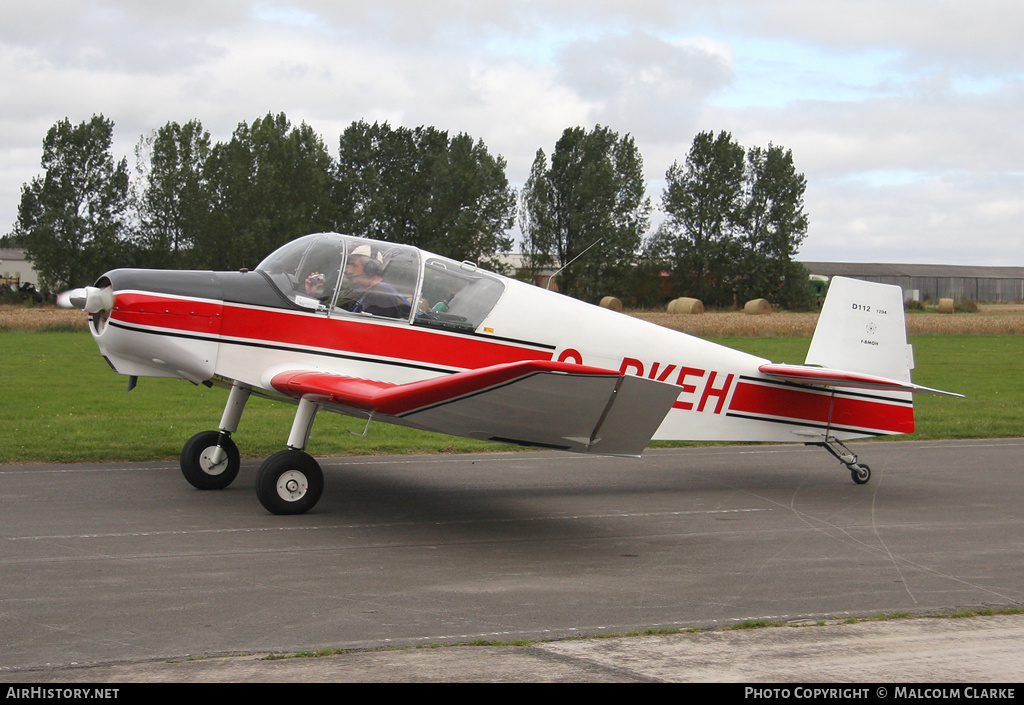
pixel 564 266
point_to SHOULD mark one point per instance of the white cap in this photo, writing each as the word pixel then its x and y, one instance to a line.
pixel 365 251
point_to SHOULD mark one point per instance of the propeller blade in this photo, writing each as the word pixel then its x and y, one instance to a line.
pixel 72 298
pixel 91 299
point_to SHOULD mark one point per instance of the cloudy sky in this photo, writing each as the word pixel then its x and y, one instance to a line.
pixel 906 116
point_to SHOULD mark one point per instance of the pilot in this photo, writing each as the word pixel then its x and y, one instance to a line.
pixel 354 264
pixel 369 293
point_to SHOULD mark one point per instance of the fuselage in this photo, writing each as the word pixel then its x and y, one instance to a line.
pixel 248 326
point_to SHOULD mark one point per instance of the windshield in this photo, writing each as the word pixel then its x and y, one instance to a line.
pixel 335 273
pixel 457 295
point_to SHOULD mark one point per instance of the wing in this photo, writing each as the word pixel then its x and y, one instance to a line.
pixel 534 402
pixel 825 377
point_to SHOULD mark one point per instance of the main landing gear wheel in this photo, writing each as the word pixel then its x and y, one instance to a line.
pixel 860 473
pixel 210 460
pixel 289 482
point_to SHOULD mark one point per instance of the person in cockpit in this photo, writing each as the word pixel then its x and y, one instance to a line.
pixel 369 293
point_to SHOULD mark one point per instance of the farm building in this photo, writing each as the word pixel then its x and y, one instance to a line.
pixel 923 282
pixel 14 268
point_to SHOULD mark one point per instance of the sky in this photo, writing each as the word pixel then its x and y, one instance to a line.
pixel 905 116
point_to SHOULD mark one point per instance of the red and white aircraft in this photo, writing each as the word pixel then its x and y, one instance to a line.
pixel 392 333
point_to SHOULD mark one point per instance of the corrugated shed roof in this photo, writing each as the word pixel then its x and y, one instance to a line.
pixel 855 269
pixel 12 253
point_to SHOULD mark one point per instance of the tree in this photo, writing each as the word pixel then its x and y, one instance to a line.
pixel 591 196
pixel 269 184
pixel 471 204
pixel 173 205
pixel 775 225
pixel 735 222
pixel 704 202
pixel 420 187
pixel 71 219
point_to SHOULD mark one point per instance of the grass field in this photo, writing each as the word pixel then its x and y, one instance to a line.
pixel 987 369
pixel 62 403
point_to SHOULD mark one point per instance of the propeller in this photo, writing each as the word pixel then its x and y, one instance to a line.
pixel 91 299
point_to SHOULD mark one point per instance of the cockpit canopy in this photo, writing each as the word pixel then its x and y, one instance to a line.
pixel 344 275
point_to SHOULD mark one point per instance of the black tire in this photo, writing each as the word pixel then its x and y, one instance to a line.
pixel 289 482
pixel 860 474
pixel 201 470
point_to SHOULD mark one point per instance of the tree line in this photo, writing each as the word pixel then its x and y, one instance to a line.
pixel 733 218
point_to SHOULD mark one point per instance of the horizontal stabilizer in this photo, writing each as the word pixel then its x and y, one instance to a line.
pixel 534 402
pixel 825 377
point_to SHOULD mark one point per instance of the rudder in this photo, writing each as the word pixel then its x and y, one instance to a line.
pixel 862 329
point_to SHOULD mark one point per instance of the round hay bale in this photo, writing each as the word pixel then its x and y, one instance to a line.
pixel 611 302
pixel 686 305
pixel 757 307
pixel 945 305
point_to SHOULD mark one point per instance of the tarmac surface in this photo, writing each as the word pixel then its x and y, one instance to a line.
pixel 123 573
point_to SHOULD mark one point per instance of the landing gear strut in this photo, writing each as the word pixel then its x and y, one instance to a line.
pixel 858 472
pixel 210 459
pixel 291 481
pixel 288 482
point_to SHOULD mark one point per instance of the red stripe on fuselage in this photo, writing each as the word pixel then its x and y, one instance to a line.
pixel 791 404
pixel 189 315
pixel 375 338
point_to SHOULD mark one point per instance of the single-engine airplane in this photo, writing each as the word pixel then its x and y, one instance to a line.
pixel 388 332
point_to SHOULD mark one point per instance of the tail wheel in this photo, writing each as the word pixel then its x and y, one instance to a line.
pixel 860 473
pixel 289 482
pixel 210 460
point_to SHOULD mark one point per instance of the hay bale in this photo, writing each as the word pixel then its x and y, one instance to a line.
pixel 612 303
pixel 686 305
pixel 757 307
pixel 946 306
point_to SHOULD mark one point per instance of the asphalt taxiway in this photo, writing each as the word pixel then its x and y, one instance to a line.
pixel 124 572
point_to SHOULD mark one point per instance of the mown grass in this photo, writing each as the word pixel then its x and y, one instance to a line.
pixel 987 369
pixel 758 623
pixel 62 403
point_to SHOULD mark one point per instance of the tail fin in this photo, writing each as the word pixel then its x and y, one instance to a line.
pixel 860 342
pixel 862 329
